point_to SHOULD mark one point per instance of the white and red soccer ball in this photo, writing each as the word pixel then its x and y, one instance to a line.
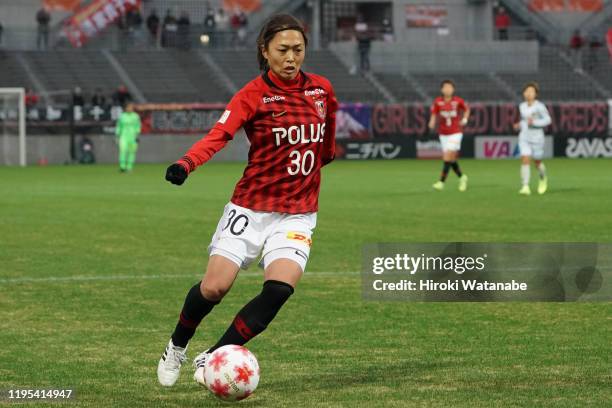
pixel 231 373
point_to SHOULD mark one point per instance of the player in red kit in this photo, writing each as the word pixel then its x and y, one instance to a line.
pixel 289 119
pixel 453 114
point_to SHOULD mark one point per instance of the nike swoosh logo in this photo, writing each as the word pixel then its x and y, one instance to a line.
pixel 276 115
pixel 301 254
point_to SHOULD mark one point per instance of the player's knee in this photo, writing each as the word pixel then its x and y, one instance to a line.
pixel 213 292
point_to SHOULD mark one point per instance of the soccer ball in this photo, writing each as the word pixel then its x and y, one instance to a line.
pixel 231 373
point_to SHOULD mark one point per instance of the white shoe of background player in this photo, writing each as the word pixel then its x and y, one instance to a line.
pixel 169 366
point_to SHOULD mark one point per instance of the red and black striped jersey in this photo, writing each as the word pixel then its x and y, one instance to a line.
pixel 450 114
pixel 291 128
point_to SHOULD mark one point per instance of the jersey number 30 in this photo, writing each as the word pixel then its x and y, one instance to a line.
pixel 301 163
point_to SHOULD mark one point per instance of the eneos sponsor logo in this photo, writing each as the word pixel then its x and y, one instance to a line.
pixel 589 147
pixel 314 92
pixel 273 98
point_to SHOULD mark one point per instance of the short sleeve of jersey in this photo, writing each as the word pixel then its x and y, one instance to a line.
pixel 462 104
pixel 435 109
pixel 238 111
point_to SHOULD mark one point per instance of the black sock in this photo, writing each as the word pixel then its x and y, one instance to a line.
pixel 255 316
pixel 445 169
pixel 456 168
pixel 195 308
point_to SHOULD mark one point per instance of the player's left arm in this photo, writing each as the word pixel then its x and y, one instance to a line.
pixel 466 113
pixel 543 118
pixel 329 141
pixel 138 124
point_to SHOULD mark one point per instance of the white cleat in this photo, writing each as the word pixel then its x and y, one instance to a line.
pixel 199 363
pixel 525 190
pixel 438 185
pixel 169 366
pixel 463 182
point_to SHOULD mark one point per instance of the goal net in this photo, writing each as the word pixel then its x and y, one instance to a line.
pixel 12 127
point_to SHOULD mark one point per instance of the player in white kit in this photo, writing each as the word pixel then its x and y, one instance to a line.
pixel 534 118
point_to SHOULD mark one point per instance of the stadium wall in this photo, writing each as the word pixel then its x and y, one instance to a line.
pixel 466 56
pixel 153 148
pixel 364 131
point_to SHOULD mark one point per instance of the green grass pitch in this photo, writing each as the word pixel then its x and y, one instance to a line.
pixel 94 266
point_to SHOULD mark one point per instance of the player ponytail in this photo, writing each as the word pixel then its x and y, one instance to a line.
pixel 275 24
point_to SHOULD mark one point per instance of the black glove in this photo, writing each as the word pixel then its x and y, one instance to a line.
pixel 176 174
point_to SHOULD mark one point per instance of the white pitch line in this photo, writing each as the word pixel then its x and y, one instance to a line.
pixel 26 279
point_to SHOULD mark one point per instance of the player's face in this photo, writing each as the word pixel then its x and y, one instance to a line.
pixel 529 94
pixel 285 54
pixel 447 90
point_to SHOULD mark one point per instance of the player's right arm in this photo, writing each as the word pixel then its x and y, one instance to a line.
pixel 239 111
pixel 434 115
pixel 517 125
pixel 118 127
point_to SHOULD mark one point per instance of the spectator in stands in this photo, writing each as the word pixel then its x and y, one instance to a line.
pixel 210 26
pixel 242 31
pixel 595 45
pixel 169 30
pixel 133 18
pixel 121 96
pixel 239 24
pixel 183 25
pixel 387 31
pixel 235 25
pixel 502 22
pixel 43 18
pixel 169 17
pixel 98 98
pixel 576 44
pixel 77 97
pixel 222 21
pixel 364 42
pixel 31 98
pixel 153 24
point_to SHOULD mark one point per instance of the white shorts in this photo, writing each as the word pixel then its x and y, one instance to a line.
pixel 243 234
pixel 451 143
pixel 531 148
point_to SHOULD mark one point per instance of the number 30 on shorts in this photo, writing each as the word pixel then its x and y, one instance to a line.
pixel 236 223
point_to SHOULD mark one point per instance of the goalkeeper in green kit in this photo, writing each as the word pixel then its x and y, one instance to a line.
pixel 127 131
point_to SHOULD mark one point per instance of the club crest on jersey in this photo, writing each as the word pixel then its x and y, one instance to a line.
pixel 321 109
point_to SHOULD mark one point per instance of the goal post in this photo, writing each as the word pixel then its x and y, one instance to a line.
pixel 13 126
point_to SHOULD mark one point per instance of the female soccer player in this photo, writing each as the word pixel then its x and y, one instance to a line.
pixel 454 114
pixel 289 118
pixel 534 118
